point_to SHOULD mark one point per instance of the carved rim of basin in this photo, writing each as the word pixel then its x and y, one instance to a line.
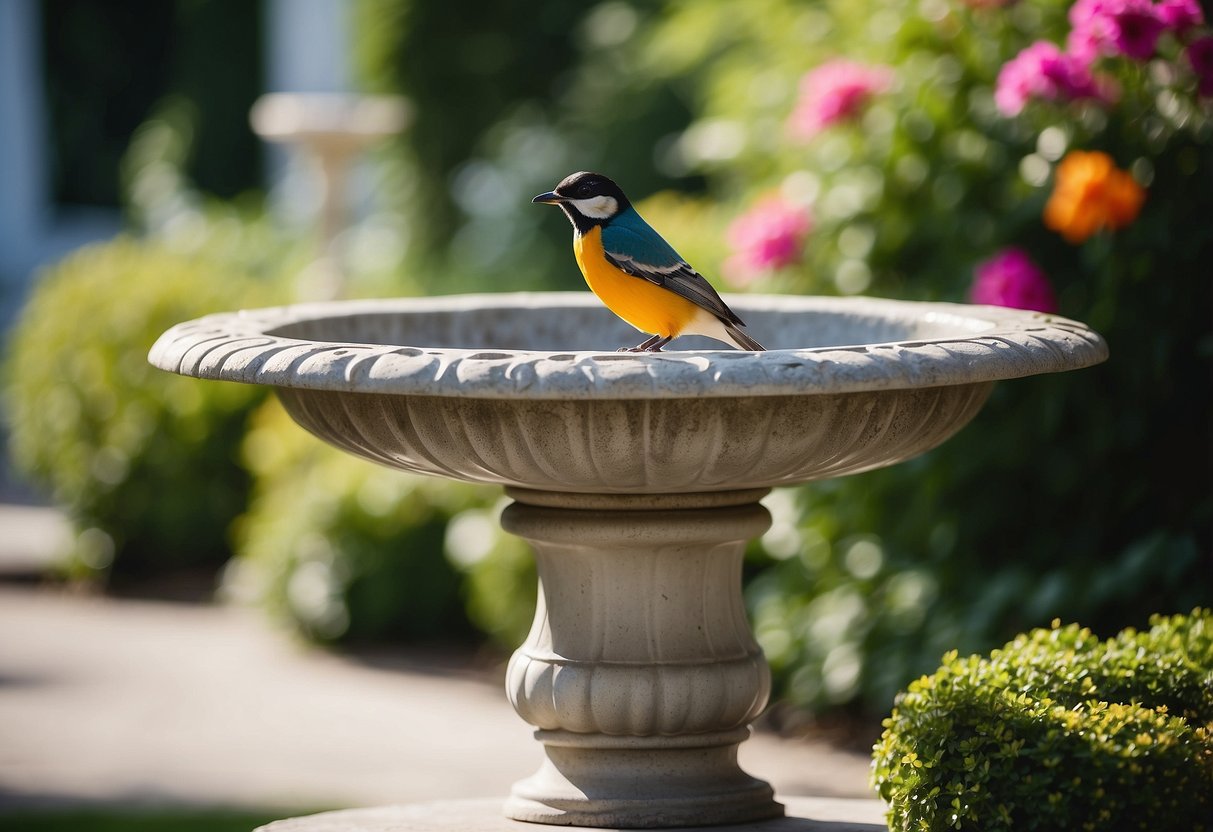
pixel 558 345
pixel 526 390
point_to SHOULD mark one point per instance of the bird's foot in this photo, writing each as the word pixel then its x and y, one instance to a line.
pixel 653 344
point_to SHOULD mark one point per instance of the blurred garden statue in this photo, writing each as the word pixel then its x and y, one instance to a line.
pixel 330 130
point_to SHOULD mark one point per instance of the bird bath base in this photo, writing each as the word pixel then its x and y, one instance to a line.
pixel 636 479
pixel 805 814
pixel 640 669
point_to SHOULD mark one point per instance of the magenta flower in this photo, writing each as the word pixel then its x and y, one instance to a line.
pixel 769 236
pixel 1114 27
pixel 1089 31
pixel 1010 278
pixel 1136 28
pixel 1180 15
pixel 836 91
pixel 1043 71
pixel 1200 58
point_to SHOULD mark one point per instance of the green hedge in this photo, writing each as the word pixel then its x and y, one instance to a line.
pixel 341 549
pixel 500 578
pixel 1059 730
pixel 144 462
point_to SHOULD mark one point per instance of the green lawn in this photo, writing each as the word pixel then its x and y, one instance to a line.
pixel 133 820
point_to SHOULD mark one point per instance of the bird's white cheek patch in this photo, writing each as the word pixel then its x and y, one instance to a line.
pixel 598 208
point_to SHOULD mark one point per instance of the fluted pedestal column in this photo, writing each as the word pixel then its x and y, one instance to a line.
pixel 640 672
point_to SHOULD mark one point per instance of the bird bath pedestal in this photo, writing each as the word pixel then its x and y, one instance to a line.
pixel 636 478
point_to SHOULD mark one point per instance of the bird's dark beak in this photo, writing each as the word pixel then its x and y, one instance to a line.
pixel 550 198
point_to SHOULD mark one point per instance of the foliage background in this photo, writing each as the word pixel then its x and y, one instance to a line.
pixel 1063 499
pixel 1084 496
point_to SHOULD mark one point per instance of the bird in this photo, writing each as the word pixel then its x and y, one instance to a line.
pixel 635 272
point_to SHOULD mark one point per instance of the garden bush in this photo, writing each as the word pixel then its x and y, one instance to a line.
pixel 917 174
pixel 937 150
pixel 868 147
pixel 500 577
pixel 145 463
pixel 341 549
pixel 1059 730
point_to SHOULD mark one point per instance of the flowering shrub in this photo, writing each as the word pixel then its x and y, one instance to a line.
pixel 1103 29
pixel 1069 495
pixel 1012 153
pixel 1058 730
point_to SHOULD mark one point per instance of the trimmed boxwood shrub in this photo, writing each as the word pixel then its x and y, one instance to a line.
pixel 1059 730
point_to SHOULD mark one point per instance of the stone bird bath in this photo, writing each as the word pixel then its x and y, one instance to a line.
pixel 636 478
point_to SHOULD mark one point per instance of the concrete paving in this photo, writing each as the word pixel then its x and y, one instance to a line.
pixel 106 700
pixel 802 814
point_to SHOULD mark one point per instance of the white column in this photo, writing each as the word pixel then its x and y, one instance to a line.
pixel 23 168
pixel 308 46
pixel 33 230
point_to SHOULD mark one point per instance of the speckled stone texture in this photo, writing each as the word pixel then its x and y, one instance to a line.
pixel 560 346
pixel 636 478
pixel 518 390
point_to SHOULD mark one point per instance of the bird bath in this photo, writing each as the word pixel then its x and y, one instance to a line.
pixel 331 130
pixel 636 478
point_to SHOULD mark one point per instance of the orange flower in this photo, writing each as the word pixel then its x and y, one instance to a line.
pixel 1090 193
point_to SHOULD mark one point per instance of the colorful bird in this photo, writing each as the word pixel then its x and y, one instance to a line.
pixel 635 272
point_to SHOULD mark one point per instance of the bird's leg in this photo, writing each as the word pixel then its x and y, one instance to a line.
pixel 645 346
pixel 655 345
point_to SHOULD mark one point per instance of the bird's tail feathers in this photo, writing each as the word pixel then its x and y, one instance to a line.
pixel 742 340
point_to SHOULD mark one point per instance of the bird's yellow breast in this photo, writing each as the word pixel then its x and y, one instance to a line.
pixel 642 304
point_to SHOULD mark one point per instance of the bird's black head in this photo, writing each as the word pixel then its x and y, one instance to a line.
pixel 588 199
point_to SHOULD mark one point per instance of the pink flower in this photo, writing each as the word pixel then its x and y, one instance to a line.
pixel 1180 15
pixel 769 236
pixel 1200 58
pixel 1091 30
pixel 1114 27
pixel 1043 71
pixel 836 91
pixel 1010 278
pixel 1136 28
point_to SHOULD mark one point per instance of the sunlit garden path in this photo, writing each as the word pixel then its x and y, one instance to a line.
pixel 105 700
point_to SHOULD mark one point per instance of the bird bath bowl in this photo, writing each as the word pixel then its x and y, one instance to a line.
pixel 636 478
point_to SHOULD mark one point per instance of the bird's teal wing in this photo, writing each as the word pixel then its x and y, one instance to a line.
pixel 632 246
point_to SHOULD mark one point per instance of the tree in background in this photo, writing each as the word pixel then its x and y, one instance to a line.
pixel 1037 153
pixel 507 101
